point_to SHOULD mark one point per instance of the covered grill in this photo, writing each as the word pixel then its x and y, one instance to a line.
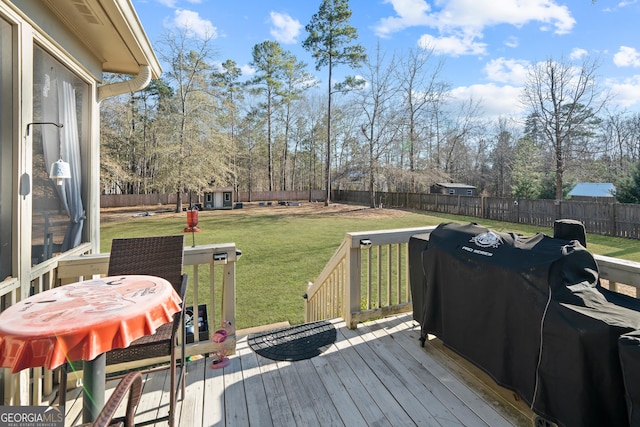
pixel 531 313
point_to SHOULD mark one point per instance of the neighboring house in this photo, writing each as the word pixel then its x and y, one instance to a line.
pixel 218 198
pixel 53 54
pixel 593 191
pixel 453 189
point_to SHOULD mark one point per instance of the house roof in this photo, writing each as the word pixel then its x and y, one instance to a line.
pixel 111 30
pixel 593 189
pixel 454 185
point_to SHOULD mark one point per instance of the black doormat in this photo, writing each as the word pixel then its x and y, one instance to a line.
pixel 295 342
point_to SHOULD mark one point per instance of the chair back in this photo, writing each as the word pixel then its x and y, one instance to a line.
pixel 160 256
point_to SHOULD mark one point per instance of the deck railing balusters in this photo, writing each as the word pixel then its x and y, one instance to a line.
pixel 357 272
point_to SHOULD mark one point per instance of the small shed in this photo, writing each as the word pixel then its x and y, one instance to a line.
pixel 593 191
pixel 453 189
pixel 218 198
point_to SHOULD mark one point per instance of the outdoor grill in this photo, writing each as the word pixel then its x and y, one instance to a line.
pixel 531 313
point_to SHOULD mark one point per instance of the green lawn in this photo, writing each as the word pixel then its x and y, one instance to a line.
pixel 283 248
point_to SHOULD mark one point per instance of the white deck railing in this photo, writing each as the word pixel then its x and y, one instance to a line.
pixel 368 277
pixel 212 281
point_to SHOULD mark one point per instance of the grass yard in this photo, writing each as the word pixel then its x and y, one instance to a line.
pixel 284 247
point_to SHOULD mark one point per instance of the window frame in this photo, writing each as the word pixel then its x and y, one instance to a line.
pixel 9 150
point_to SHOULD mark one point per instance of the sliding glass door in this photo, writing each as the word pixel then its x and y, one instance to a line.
pixel 60 112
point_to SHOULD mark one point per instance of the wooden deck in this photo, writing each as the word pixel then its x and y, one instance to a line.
pixel 375 375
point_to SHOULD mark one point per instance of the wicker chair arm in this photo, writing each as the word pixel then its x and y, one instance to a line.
pixel 131 384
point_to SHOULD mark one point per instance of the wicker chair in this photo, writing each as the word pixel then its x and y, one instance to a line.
pixel 131 384
pixel 162 257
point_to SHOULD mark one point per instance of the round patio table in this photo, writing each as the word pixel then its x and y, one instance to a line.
pixel 82 321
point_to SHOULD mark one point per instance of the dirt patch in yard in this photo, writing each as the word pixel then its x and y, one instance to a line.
pixel 304 208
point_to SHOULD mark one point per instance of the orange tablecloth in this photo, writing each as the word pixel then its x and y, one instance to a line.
pixel 82 320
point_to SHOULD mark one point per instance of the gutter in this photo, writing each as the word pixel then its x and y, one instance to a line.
pixel 139 82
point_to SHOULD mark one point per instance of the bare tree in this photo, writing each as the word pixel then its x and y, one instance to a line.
pixel 421 88
pixel 503 157
pixel 228 91
pixel 190 139
pixel 296 80
pixel 381 124
pixel 268 59
pixel 454 131
pixel 563 99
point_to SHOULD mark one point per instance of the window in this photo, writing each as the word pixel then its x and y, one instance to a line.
pixel 59 98
pixel 469 192
pixel 452 191
pixel 6 146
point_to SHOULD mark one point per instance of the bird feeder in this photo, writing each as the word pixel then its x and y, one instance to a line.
pixel 192 221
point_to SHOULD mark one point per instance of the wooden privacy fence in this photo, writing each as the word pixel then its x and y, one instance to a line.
pixel 610 219
pixel 155 199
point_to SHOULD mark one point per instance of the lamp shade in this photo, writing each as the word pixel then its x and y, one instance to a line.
pixel 60 170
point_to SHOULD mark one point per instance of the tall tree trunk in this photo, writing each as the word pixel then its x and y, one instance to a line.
pixel 328 165
pixel 559 169
pixel 372 192
pixel 269 156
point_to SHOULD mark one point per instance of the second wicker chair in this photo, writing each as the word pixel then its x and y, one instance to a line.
pixel 162 257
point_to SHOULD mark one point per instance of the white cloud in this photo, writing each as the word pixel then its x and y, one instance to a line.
pixel 578 53
pixel 452 45
pixel 247 70
pixel 284 28
pixel 410 13
pixel 620 5
pixel 626 93
pixel 502 70
pixel 467 19
pixel 168 3
pixel 495 101
pixel 477 14
pixel 174 3
pixel 191 22
pixel 627 57
pixel 512 42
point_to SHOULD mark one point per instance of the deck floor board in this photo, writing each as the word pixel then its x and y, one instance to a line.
pixel 376 375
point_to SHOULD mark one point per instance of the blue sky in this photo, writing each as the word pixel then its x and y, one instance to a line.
pixel 486 45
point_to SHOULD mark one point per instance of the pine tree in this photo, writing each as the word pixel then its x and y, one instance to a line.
pixel 628 191
pixel 330 42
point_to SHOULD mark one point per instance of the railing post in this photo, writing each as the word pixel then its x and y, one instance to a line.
pixel 307 317
pixel 229 297
pixel 352 292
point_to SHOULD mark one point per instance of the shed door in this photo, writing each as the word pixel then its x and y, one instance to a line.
pixel 227 201
pixel 217 200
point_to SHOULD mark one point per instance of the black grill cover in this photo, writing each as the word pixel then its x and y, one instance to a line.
pixel 509 303
pixel 629 346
